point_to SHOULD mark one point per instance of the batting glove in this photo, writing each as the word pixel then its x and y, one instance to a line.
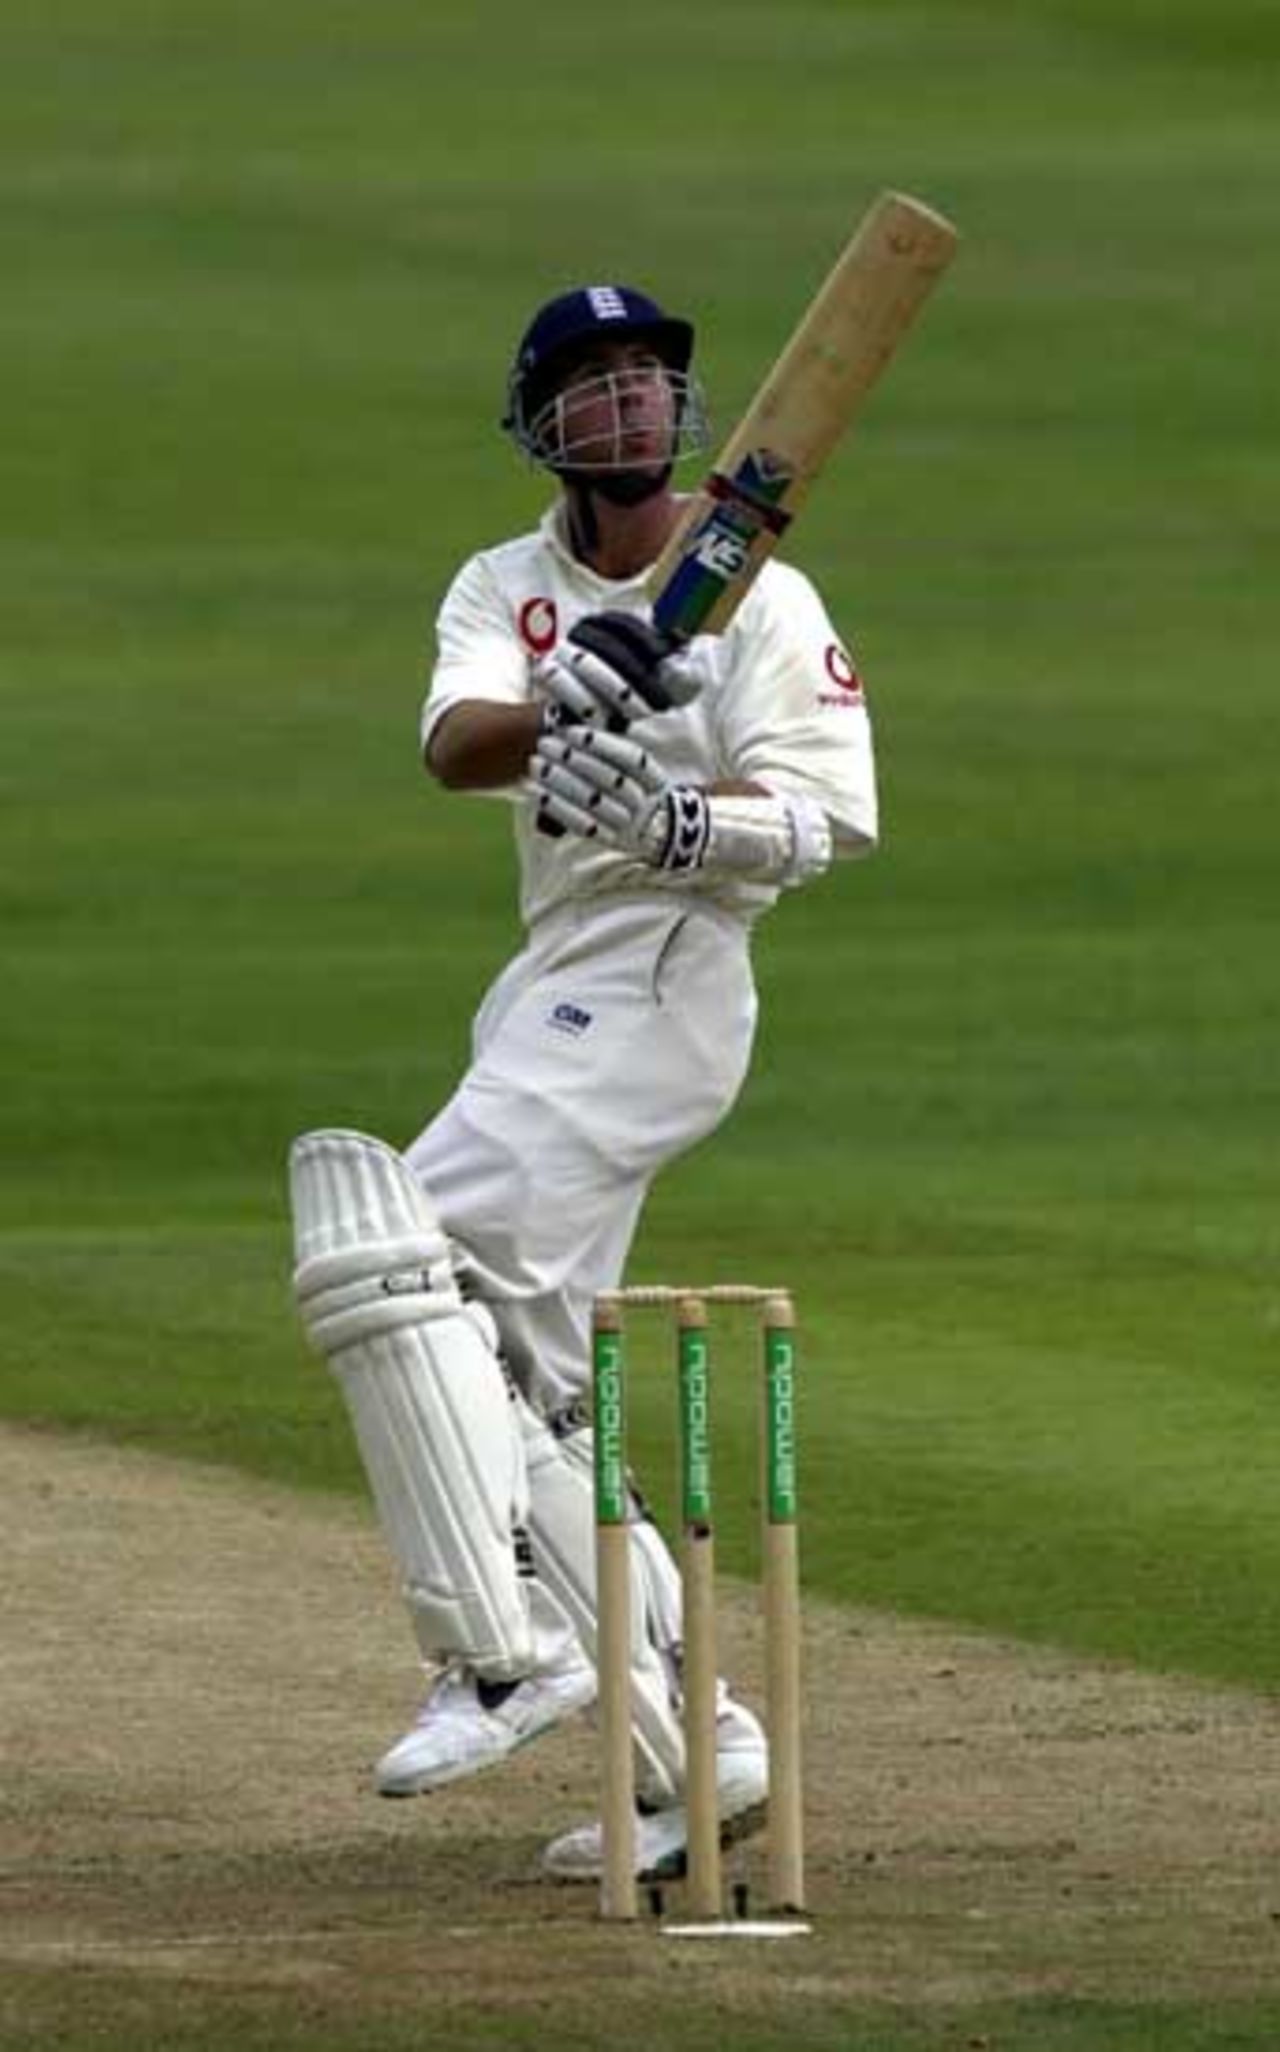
pixel 604 786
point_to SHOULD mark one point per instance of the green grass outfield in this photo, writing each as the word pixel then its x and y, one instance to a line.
pixel 1012 1134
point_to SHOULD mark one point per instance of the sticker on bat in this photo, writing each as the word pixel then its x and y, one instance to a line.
pixel 723 554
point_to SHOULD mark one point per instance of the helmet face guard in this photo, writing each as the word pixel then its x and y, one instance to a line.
pixel 638 416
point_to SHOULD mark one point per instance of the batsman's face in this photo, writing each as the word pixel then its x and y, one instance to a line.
pixel 616 410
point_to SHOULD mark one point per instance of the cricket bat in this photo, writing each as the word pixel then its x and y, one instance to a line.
pixel 845 339
pixel 763 474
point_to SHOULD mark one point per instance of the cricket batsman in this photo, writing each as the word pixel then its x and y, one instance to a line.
pixel 662 801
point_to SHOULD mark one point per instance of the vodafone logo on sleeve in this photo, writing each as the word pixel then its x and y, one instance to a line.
pixel 841 671
pixel 539 626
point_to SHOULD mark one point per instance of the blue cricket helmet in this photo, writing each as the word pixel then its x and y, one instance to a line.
pixel 567 326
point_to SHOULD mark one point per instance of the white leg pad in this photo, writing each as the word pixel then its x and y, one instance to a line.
pixel 562 1529
pixel 432 1412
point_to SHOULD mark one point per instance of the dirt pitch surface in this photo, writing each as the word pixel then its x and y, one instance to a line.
pixel 198 1671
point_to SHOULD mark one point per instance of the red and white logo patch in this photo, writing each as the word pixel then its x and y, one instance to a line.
pixel 841 669
pixel 539 627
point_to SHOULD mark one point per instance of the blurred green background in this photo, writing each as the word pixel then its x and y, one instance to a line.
pixel 1012 1129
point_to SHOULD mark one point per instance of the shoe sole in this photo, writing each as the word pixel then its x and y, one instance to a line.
pixel 674 1866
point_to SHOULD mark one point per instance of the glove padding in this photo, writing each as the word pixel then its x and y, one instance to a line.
pixel 599 784
pixel 614 668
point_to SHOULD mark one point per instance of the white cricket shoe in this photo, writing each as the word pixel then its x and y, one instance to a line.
pixel 467 1724
pixel 662 1836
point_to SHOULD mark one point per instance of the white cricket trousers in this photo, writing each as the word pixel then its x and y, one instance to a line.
pixel 618 1038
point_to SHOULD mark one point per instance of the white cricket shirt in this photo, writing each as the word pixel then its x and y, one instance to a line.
pixel 781 704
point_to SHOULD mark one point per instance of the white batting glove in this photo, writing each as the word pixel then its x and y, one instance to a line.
pixel 604 786
pixel 614 668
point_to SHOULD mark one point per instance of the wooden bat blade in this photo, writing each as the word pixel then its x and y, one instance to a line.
pixel 840 348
